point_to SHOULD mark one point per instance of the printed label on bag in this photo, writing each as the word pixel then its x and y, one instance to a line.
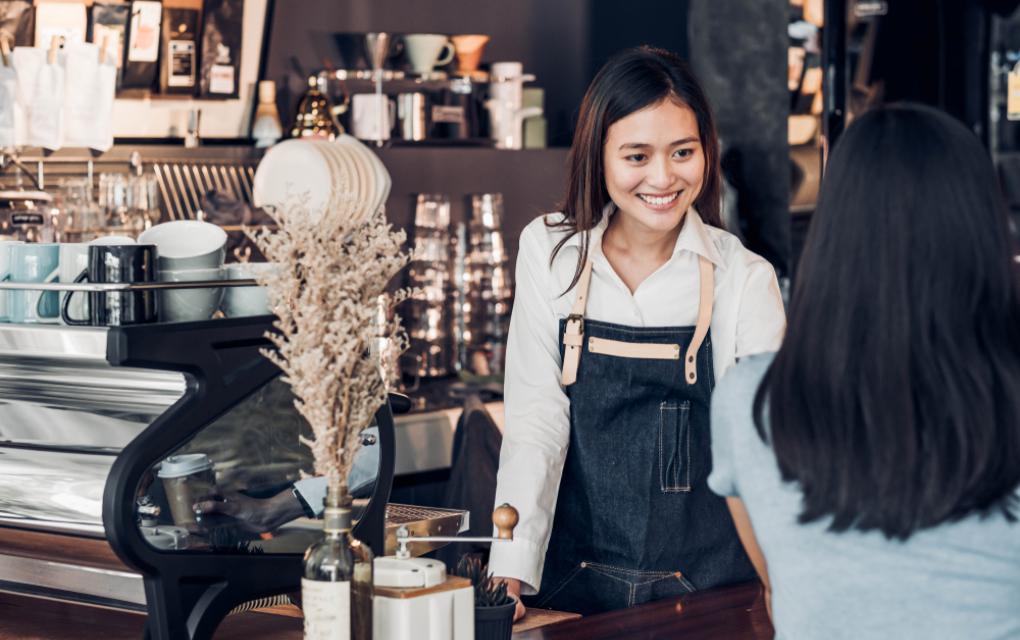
pixel 221 79
pixel 327 609
pixel 182 63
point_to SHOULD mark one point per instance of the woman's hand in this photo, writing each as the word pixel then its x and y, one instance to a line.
pixel 513 588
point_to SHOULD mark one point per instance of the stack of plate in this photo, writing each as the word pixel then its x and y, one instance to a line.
pixel 340 177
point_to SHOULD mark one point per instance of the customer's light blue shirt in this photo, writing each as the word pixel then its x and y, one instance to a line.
pixel 958 580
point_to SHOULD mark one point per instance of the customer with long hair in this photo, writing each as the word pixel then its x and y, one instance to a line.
pixel 872 464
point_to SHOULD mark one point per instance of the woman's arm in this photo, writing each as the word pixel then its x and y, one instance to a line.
pixel 746 534
pixel 761 320
pixel 537 419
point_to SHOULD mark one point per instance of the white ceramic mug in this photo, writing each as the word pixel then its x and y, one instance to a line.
pixel 5 274
pixel 187 305
pixel 187 244
pixel 246 301
pixel 74 258
pixel 372 116
pixel 425 51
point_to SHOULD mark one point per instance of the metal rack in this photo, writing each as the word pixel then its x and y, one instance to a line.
pixel 184 175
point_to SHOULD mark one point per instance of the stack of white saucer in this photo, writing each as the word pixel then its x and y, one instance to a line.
pixel 340 176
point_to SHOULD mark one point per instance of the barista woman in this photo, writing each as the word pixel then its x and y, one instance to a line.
pixel 630 304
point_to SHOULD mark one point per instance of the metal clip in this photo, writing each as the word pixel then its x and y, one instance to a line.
pixel 579 319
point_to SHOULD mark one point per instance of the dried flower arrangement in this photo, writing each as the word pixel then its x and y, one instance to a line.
pixel 332 272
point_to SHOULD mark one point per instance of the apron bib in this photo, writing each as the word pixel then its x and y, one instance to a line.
pixel 635 520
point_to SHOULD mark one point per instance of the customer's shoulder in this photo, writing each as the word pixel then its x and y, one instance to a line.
pixel 741 381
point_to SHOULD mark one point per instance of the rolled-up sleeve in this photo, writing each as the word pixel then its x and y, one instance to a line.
pixel 537 422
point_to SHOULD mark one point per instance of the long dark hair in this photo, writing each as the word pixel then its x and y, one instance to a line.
pixel 630 81
pixel 894 401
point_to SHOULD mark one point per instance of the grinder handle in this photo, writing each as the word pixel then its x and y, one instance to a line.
pixel 505 518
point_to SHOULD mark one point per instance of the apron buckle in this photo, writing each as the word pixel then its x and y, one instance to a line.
pixel 579 319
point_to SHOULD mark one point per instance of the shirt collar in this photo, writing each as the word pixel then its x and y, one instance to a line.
pixel 694 237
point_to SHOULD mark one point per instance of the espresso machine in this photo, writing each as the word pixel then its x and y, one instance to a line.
pixel 102 428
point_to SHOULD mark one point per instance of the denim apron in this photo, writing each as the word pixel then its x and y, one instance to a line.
pixel 635 520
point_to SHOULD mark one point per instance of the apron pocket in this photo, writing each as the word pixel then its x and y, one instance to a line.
pixel 641 586
pixel 674 447
pixel 593 587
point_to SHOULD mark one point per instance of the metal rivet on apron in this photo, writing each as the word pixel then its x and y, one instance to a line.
pixel 584 564
pixel 690 358
pixel 691 376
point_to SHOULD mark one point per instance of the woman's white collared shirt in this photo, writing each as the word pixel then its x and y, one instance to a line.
pixel 747 318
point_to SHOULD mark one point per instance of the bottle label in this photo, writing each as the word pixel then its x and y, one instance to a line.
pixel 327 609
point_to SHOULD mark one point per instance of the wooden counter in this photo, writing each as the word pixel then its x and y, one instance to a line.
pixel 732 613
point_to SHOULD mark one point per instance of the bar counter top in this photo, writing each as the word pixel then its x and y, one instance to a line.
pixel 730 613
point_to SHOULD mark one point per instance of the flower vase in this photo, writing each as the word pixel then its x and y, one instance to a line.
pixel 336 585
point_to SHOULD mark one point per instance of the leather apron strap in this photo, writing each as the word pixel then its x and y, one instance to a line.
pixel 573 334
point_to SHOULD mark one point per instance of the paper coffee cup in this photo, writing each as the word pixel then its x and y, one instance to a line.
pixel 186 478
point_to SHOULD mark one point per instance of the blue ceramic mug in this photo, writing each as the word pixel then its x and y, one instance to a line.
pixel 34 263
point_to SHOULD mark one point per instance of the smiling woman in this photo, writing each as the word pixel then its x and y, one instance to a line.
pixel 606 444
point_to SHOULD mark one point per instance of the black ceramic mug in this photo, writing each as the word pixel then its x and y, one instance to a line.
pixel 128 263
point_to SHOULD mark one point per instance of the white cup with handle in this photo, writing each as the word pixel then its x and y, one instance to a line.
pixel 5 275
pixel 426 51
pixel 74 258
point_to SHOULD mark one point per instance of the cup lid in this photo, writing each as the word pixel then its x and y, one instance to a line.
pixel 184 465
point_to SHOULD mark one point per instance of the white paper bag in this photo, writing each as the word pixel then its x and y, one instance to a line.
pixel 88 98
pixel 41 95
pixel 8 98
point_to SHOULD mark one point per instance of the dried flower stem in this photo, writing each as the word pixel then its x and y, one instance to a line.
pixel 325 294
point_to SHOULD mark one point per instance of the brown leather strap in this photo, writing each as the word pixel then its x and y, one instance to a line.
pixel 704 319
pixel 641 350
pixel 573 334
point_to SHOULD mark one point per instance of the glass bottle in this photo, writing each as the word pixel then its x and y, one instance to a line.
pixel 336 588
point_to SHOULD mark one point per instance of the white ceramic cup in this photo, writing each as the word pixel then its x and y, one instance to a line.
pixel 427 50
pixel 187 305
pixel 246 301
pixel 74 258
pixel 187 244
pixel 5 274
pixel 372 116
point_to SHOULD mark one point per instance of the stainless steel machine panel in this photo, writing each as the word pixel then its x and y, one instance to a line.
pixel 53 490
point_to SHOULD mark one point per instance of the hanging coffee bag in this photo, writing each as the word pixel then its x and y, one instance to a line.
pixel 221 48
pixel 177 69
pixel 108 24
pixel 141 66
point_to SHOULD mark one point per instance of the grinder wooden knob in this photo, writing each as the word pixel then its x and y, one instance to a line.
pixel 505 518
